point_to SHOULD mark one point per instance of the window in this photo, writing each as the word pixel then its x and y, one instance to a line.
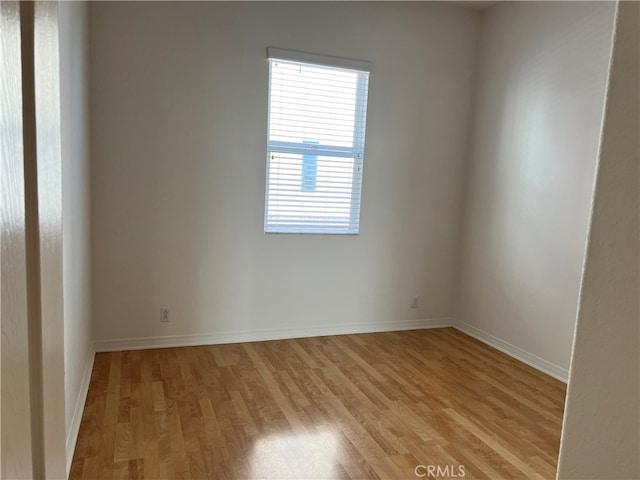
pixel 315 143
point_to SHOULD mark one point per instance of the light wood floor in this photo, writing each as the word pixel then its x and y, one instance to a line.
pixel 353 406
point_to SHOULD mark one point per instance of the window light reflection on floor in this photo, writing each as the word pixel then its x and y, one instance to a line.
pixel 313 455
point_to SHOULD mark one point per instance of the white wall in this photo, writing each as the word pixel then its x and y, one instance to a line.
pixel 538 114
pixel 600 438
pixel 78 353
pixel 178 131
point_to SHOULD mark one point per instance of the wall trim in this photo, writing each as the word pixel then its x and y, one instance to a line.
pixel 267 334
pixel 76 419
pixel 518 353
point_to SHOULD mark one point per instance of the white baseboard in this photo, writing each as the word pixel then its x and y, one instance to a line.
pixel 268 334
pixel 516 352
pixel 74 429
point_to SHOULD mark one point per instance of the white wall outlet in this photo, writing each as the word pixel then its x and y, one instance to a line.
pixel 414 302
pixel 164 315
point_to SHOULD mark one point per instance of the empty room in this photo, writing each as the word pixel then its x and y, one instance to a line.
pixel 320 240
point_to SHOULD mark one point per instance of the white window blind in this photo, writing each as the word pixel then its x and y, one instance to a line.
pixel 315 143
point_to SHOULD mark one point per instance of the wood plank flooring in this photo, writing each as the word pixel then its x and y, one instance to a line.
pixel 352 406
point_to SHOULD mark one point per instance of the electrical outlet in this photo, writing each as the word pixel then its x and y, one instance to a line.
pixel 164 315
pixel 414 302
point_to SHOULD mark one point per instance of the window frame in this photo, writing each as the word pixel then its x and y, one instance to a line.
pixel 356 151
